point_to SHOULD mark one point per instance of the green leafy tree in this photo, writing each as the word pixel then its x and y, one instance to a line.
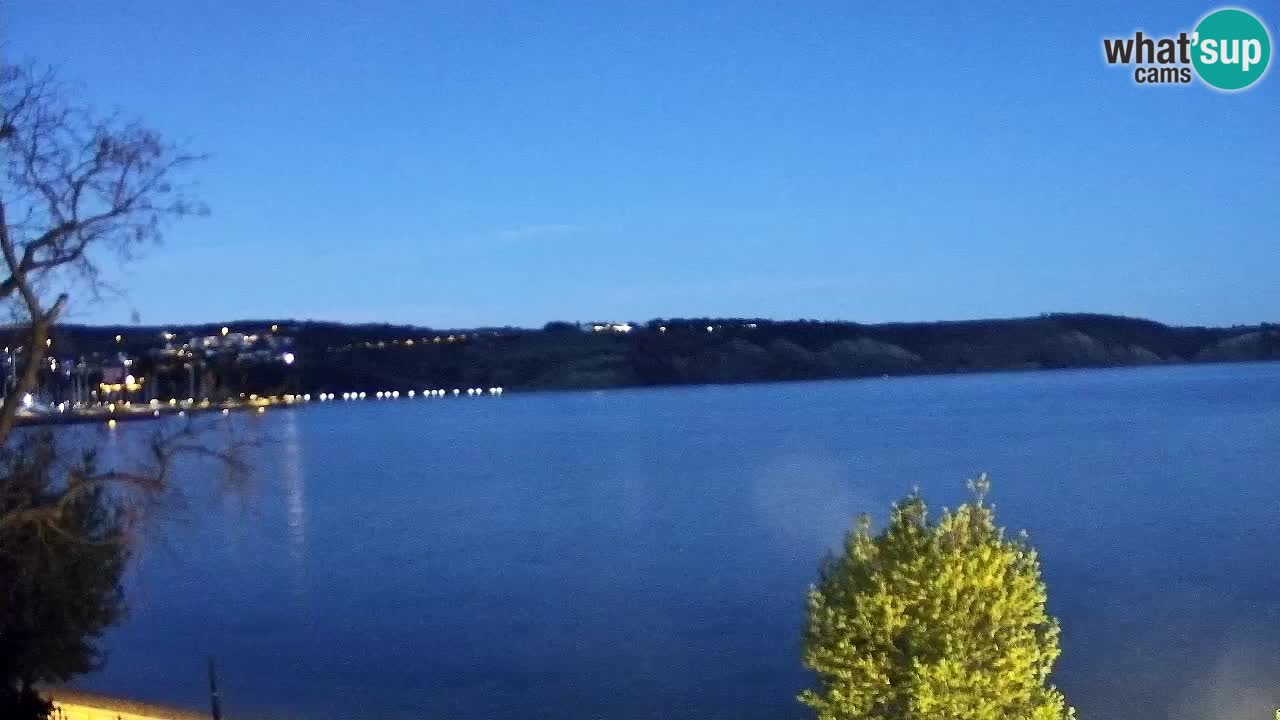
pixel 933 620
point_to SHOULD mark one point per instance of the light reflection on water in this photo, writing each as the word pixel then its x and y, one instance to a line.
pixel 644 554
pixel 292 468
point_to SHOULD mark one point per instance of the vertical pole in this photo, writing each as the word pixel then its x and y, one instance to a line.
pixel 215 703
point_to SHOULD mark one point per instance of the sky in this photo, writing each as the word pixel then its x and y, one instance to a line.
pixel 466 163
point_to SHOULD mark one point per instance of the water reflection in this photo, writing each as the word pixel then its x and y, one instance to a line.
pixel 292 469
pixel 810 500
pixel 633 554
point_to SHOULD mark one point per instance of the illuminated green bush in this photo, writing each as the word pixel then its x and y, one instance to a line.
pixel 933 620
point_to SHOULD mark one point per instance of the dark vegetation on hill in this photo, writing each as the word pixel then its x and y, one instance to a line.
pixel 337 357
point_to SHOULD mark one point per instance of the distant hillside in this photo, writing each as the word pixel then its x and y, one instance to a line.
pixel 337 357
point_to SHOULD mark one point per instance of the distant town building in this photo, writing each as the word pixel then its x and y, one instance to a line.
pixel 612 327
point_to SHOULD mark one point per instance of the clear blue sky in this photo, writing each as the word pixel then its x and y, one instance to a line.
pixel 458 163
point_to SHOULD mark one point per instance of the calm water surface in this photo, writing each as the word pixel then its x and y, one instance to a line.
pixel 645 554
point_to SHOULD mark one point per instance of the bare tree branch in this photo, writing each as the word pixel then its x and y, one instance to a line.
pixel 138 487
pixel 76 188
pixel 73 186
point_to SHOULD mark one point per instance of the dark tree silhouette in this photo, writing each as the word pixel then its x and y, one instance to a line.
pixel 61 574
pixel 76 188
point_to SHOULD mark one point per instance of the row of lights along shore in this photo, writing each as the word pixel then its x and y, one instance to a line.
pixel 261 403
pixel 396 394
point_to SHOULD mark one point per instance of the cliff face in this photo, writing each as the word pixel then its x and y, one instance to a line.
pixel 1075 348
pixel 759 351
pixel 338 358
pixel 808 352
pixel 865 356
pixel 1257 345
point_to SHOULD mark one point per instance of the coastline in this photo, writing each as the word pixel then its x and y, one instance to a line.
pixel 112 414
pixel 72 704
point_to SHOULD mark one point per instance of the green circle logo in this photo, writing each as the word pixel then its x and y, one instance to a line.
pixel 1232 49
